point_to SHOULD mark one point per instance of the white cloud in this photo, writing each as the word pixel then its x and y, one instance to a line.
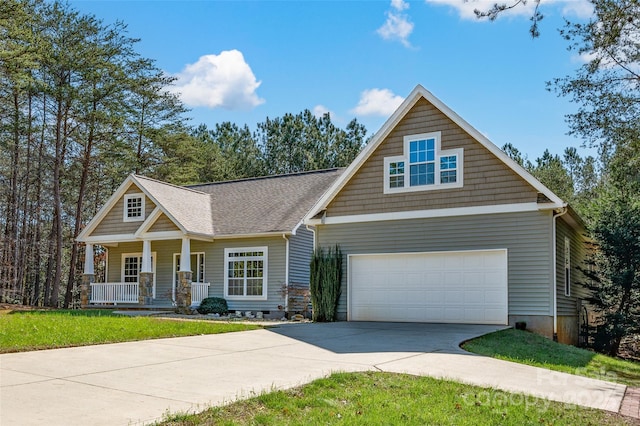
pixel 219 81
pixel 320 110
pixel 579 8
pixel 377 102
pixel 397 26
pixel 465 8
pixel 399 5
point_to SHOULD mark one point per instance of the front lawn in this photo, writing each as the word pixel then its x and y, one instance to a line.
pixel 395 399
pixel 529 348
pixel 33 330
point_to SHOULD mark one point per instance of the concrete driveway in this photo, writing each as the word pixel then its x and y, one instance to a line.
pixel 138 382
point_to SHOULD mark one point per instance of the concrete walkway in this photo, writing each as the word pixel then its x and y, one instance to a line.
pixel 138 382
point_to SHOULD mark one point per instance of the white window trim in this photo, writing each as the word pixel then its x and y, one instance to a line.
pixel 125 212
pixel 139 255
pixel 439 152
pixel 265 250
pixel 567 267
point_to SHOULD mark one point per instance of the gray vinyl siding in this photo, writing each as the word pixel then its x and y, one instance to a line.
pixel 300 251
pixel 526 236
pixel 214 268
pixel 214 260
pixel 567 305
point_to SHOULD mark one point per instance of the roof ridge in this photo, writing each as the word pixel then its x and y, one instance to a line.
pixel 185 187
pixel 257 178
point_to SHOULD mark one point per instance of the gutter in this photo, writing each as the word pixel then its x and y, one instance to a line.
pixel 554 277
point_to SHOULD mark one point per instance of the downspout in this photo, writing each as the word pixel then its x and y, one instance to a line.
pixel 286 273
pixel 554 280
pixel 313 231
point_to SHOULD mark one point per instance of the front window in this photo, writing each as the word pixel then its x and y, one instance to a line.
pixel 246 273
pixel 423 166
pixel 131 269
pixel 133 207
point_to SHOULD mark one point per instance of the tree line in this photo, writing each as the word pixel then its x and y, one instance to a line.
pixel 80 109
pixel 606 92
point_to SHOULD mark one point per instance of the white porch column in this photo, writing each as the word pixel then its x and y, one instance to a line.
pixel 88 260
pixel 145 278
pixel 88 277
pixel 146 257
pixel 185 255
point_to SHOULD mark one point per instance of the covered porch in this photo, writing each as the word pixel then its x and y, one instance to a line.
pixel 135 276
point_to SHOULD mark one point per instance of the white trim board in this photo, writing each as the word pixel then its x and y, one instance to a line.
pixel 426 214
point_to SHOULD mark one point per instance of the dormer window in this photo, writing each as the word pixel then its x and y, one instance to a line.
pixel 134 207
pixel 423 166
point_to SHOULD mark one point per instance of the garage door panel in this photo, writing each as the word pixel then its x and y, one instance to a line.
pixel 461 287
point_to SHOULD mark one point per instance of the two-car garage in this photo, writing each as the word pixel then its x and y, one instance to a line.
pixel 447 287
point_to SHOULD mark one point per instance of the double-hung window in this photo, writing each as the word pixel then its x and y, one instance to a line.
pixel 423 166
pixel 245 272
pixel 133 208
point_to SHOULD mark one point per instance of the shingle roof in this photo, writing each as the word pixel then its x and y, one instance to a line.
pixel 246 206
pixel 265 204
pixel 190 209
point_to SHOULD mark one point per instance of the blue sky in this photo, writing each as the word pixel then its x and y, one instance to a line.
pixel 243 61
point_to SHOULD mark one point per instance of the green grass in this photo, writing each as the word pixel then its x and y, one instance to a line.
pixel 394 399
pixel 529 348
pixel 33 330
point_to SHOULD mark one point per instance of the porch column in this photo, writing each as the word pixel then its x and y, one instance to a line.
pixel 183 290
pixel 87 277
pixel 145 280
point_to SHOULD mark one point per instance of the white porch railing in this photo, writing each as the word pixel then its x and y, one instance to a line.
pixel 128 293
pixel 114 293
pixel 199 291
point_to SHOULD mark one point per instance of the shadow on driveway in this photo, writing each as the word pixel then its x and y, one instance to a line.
pixel 374 337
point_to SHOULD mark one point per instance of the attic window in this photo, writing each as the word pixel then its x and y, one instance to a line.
pixel 423 166
pixel 133 208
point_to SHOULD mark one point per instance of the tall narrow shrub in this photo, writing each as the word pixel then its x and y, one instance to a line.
pixel 326 275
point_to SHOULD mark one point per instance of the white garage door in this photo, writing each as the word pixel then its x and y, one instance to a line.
pixel 449 287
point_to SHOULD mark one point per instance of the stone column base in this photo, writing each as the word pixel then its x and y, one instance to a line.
pixel 183 293
pixel 145 290
pixel 85 289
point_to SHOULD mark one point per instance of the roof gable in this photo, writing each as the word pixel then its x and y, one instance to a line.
pixel 417 97
pixel 273 204
pixel 184 207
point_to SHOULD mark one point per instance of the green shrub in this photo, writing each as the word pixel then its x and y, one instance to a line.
pixel 213 305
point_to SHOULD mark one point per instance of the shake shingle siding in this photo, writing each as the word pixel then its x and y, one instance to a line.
pixel 487 180
pixel 526 236
pixel 113 222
